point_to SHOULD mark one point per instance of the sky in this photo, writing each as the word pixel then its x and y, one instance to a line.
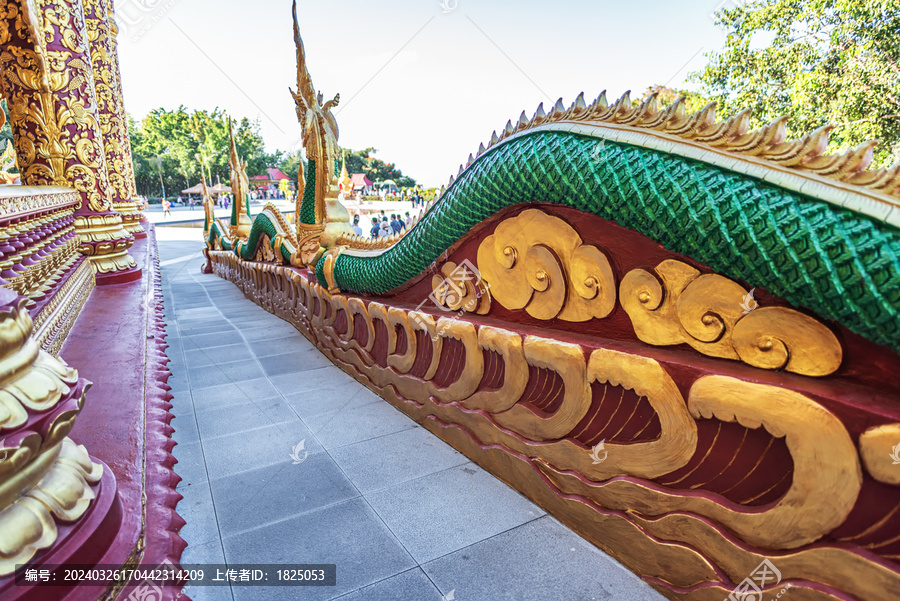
pixel 422 81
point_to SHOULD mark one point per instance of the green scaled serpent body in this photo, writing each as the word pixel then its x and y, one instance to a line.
pixel 841 264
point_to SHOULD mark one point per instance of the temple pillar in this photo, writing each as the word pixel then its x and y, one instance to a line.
pixel 102 31
pixel 48 81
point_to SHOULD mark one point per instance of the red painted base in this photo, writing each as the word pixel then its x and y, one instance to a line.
pixel 89 541
pixel 119 277
pixel 118 343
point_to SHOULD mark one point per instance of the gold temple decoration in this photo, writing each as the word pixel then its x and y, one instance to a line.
pixel 320 140
pixel 770 143
pixel 362 243
pixel 320 128
pixel 131 212
pixel 101 31
pixel 345 183
pixel 53 111
pixel 240 187
pixel 44 476
pixel 459 289
pixel 879 448
pixel 537 262
pixel 716 316
pixel 658 532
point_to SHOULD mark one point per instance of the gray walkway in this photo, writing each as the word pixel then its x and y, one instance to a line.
pixel 402 515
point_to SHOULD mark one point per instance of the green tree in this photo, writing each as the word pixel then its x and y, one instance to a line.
pixel 819 61
pixel 176 142
pixel 362 161
pixel 693 101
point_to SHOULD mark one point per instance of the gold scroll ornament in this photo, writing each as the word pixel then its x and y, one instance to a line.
pixel 538 263
pixel 675 304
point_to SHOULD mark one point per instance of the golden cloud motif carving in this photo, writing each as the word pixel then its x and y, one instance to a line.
pixel 539 263
pixel 717 317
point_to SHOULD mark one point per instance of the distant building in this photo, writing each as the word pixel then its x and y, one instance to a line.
pixel 362 185
pixel 270 181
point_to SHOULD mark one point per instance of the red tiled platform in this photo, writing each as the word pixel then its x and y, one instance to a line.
pixel 118 343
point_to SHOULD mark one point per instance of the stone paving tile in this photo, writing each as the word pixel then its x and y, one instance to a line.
pixel 293 362
pixel 211 340
pixel 198 511
pixel 223 395
pixel 311 380
pixel 182 403
pixel 292 341
pixel 178 382
pixel 258 497
pixel 339 428
pixel 185 428
pixel 204 554
pixel 225 373
pixel 262 388
pixel 212 356
pixel 259 447
pixel 446 511
pixel 389 460
pixel 347 534
pixel 339 396
pixel 268 332
pixel 504 568
pixel 194 328
pixel 217 421
pixel 191 465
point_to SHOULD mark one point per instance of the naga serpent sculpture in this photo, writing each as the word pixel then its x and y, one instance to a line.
pixel 713 308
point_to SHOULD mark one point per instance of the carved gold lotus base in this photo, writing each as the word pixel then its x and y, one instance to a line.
pixel 104 239
pixel 528 408
pixel 44 476
pixel 55 486
pixel 131 216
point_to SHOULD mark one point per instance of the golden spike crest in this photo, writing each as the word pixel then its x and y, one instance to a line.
pixel 806 154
